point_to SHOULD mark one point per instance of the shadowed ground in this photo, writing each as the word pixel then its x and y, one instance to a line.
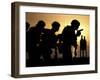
pixel 58 62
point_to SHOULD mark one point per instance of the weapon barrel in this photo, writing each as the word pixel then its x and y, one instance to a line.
pixel 80 30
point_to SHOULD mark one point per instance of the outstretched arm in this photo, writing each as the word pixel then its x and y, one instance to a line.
pixel 79 32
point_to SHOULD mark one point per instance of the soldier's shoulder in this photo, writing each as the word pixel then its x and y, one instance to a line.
pixel 67 27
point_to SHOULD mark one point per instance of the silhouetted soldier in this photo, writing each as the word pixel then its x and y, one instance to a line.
pixel 48 43
pixel 34 39
pixel 27 43
pixel 70 39
pixel 83 46
pixel 27 31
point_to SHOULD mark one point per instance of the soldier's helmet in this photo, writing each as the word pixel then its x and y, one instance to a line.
pixel 55 26
pixel 40 25
pixel 75 24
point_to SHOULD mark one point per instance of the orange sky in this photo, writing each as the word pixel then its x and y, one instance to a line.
pixel 63 19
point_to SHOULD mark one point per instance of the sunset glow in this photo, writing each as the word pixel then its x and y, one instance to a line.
pixel 64 20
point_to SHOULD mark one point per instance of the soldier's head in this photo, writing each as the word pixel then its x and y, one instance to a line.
pixel 75 24
pixel 40 25
pixel 55 26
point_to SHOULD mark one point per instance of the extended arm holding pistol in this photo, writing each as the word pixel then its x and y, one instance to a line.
pixel 79 32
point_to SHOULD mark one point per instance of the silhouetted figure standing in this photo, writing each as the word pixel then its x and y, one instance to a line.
pixel 34 39
pixel 27 40
pixel 48 43
pixel 69 38
pixel 83 46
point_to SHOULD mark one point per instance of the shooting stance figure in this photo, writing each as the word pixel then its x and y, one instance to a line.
pixel 69 38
